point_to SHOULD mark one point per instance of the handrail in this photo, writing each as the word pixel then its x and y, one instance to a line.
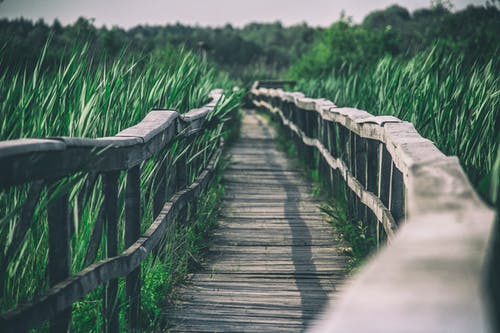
pixel 27 160
pixel 33 160
pixel 429 278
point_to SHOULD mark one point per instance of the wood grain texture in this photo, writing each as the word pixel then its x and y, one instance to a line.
pixel 27 160
pixel 274 261
pixel 66 292
pixel 369 199
pixel 430 278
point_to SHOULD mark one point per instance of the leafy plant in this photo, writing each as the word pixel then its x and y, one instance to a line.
pixel 450 103
pixel 94 98
pixel 353 232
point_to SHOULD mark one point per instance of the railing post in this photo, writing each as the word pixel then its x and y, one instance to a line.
pixel 296 120
pixel 290 115
pixel 181 168
pixel 300 125
pixel 59 263
pixel 342 149
pixel 309 129
pixel 323 168
pixel 330 139
pixel 384 181
pixel 397 192
pixel 351 165
pixel 360 164
pixel 182 178
pixel 111 306
pixel 372 166
pixel 132 233
pixel 372 162
pixel 384 171
pixel 160 186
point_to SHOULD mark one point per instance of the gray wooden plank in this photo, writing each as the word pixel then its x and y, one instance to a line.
pixel 274 262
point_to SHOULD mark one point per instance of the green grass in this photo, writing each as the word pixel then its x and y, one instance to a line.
pixel 90 98
pixel 448 101
pixel 94 98
pixel 354 233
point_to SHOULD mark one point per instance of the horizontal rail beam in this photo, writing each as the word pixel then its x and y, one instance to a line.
pixel 430 277
pixel 368 198
pixel 65 293
pixel 27 160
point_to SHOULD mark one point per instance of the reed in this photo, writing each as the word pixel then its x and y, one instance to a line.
pixel 88 97
pixel 450 102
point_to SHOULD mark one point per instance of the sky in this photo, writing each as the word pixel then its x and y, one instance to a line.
pixel 128 13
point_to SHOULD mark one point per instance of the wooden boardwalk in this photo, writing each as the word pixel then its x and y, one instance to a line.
pixel 274 262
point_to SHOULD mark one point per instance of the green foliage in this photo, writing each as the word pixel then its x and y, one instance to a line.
pixel 182 254
pixel 353 232
pixel 471 32
pixel 95 98
pixel 341 46
pixel 449 102
pixel 239 51
pixel 76 101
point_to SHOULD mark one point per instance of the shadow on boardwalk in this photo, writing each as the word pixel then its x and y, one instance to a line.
pixel 274 263
pixel 306 276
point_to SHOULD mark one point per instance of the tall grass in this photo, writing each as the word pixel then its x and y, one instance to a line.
pixel 94 98
pixel 449 102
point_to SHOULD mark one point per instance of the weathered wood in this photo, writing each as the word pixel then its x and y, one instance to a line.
pixel 110 301
pixel 21 228
pixel 132 233
pixel 352 184
pixel 26 146
pixel 360 165
pixel 384 172
pixel 274 83
pixel 274 261
pixel 397 195
pixel 59 265
pixel 372 175
pixel 155 122
pixel 433 267
pixel 33 159
pixel 62 295
pixel 28 160
pixel 442 280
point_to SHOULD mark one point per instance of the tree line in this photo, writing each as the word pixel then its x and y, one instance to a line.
pixel 268 49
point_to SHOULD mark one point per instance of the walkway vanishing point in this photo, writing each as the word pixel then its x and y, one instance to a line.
pixel 274 261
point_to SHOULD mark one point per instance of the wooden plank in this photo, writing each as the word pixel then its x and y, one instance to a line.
pixel 433 269
pixel 59 263
pixel 110 301
pixel 132 233
pixel 153 124
pixel 26 160
pixel 63 294
pixel 27 146
pixel 274 260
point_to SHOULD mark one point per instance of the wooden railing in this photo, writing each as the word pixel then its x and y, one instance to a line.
pixel 43 162
pixel 430 276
